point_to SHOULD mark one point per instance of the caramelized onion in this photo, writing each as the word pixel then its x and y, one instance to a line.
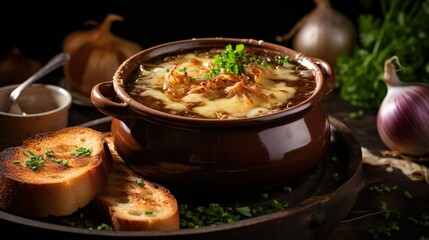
pixel 403 116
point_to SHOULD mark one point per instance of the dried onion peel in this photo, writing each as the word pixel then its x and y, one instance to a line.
pixel 16 67
pixel 95 55
pixel 324 33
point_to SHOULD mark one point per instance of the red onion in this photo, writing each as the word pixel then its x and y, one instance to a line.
pixel 403 116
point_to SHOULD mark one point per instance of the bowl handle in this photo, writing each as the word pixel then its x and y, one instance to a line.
pixel 327 72
pixel 105 99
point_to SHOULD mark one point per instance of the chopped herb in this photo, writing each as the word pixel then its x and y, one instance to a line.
pixel 379 230
pixel 336 176
pixel 244 211
pixel 210 215
pixel 257 210
pixel 52 157
pixel 278 206
pixel 148 212
pixel 383 188
pixel 33 161
pixel 59 161
pixel 408 195
pixel 104 226
pixel 386 212
pixel 140 182
pixel 265 196
pixel 287 189
pixel 81 151
pixel 282 60
pixel 423 221
pixel 182 69
pixel 49 154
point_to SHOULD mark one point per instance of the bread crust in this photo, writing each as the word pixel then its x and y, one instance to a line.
pixel 55 189
pixel 128 205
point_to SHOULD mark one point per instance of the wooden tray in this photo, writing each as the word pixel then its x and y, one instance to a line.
pixel 316 205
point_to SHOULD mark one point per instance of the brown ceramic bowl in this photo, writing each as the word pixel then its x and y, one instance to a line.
pixel 220 153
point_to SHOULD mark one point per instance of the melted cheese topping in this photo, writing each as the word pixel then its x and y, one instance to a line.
pixel 179 84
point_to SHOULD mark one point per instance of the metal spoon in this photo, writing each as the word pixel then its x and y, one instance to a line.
pixel 57 61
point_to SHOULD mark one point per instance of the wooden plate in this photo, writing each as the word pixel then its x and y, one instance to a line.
pixel 315 206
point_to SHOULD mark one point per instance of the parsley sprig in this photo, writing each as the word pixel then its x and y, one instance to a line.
pixel 231 61
pixel 400 29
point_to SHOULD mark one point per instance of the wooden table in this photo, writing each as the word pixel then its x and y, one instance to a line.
pixel 365 131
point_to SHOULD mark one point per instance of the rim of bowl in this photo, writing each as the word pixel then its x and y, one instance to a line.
pixel 184 45
pixel 63 91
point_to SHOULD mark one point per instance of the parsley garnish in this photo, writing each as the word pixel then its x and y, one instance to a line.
pixel 216 214
pixel 231 61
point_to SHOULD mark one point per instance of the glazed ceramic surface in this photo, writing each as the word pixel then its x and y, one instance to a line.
pixel 251 152
pixel 47 109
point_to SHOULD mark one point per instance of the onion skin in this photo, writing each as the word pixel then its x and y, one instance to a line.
pixel 16 67
pixel 324 33
pixel 95 55
pixel 403 116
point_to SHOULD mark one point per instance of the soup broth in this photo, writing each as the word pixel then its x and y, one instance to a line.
pixel 227 83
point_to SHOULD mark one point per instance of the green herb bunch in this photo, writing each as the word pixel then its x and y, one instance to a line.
pixel 401 30
pixel 231 61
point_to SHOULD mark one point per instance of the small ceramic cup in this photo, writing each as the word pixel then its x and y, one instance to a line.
pixel 46 107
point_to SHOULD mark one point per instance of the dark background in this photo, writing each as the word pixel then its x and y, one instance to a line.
pixel 39 27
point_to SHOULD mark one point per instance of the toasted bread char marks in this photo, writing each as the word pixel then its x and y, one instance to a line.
pixel 54 173
pixel 131 202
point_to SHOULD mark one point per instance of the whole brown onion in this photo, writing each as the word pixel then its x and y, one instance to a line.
pixel 95 54
pixel 16 67
pixel 323 33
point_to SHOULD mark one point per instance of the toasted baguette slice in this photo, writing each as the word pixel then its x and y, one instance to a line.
pixel 128 205
pixel 55 188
